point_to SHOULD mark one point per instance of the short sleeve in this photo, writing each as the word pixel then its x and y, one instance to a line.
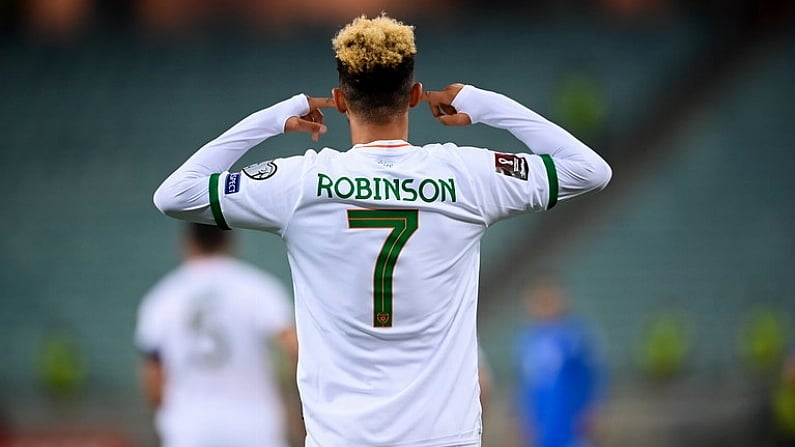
pixel 509 184
pixel 261 196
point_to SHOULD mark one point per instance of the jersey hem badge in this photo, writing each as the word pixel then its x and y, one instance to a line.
pixel 510 165
pixel 261 171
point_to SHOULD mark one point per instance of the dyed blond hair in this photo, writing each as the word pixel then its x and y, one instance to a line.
pixel 366 44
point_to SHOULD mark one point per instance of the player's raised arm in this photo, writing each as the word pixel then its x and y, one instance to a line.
pixel 578 168
pixel 185 193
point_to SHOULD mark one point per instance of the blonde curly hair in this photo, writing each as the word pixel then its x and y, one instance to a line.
pixel 366 44
pixel 375 61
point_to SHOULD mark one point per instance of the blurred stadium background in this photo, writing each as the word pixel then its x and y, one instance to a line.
pixel 686 263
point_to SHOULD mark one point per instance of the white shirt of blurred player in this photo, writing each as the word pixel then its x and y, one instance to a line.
pixel 209 321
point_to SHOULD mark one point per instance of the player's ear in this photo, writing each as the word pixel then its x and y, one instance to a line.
pixel 416 94
pixel 339 100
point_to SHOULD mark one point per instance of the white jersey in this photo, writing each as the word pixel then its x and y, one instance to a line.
pixel 384 245
pixel 209 322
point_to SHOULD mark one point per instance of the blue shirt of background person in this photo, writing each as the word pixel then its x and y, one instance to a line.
pixel 559 375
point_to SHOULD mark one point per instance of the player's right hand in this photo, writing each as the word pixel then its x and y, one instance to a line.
pixel 312 122
pixel 441 104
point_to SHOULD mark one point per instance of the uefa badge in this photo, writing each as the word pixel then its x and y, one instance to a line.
pixel 261 171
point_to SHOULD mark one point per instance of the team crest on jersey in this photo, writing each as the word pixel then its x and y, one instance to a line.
pixel 232 183
pixel 511 165
pixel 261 171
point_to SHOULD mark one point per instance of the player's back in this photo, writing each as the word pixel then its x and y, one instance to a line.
pixel 384 249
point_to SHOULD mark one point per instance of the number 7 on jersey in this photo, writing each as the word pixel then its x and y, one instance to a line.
pixel 403 224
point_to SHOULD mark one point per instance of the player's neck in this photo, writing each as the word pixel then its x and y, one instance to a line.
pixel 363 133
pixel 193 253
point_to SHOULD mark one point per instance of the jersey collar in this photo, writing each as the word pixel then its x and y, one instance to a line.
pixel 384 144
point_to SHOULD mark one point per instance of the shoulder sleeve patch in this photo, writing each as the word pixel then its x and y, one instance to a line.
pixel 232 183
pixel 510 165
pixel 261 171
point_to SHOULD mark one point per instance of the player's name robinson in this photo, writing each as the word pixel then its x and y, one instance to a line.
pixel 382 188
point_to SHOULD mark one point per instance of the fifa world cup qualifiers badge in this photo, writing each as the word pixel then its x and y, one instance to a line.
pixel 511 165
pixel 261 171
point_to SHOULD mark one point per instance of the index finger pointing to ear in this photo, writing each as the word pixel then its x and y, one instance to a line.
pixel 321 103
pixel 426 96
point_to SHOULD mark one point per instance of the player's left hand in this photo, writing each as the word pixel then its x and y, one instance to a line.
pixel 441 104
pixel 312 122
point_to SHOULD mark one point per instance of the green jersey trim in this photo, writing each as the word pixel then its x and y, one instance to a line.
pixel 215 203
pixel 552 176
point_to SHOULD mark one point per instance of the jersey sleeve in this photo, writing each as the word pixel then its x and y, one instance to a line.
pixel 509 184
pixel 262 196
pixel 185 195
pixel 556 166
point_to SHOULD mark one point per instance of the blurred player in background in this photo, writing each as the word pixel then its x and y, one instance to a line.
pixel 560 374
pixel 384 239
pixel 204 331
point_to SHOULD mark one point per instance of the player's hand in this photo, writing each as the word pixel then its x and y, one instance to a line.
pixel 312 122
pixel 441 104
